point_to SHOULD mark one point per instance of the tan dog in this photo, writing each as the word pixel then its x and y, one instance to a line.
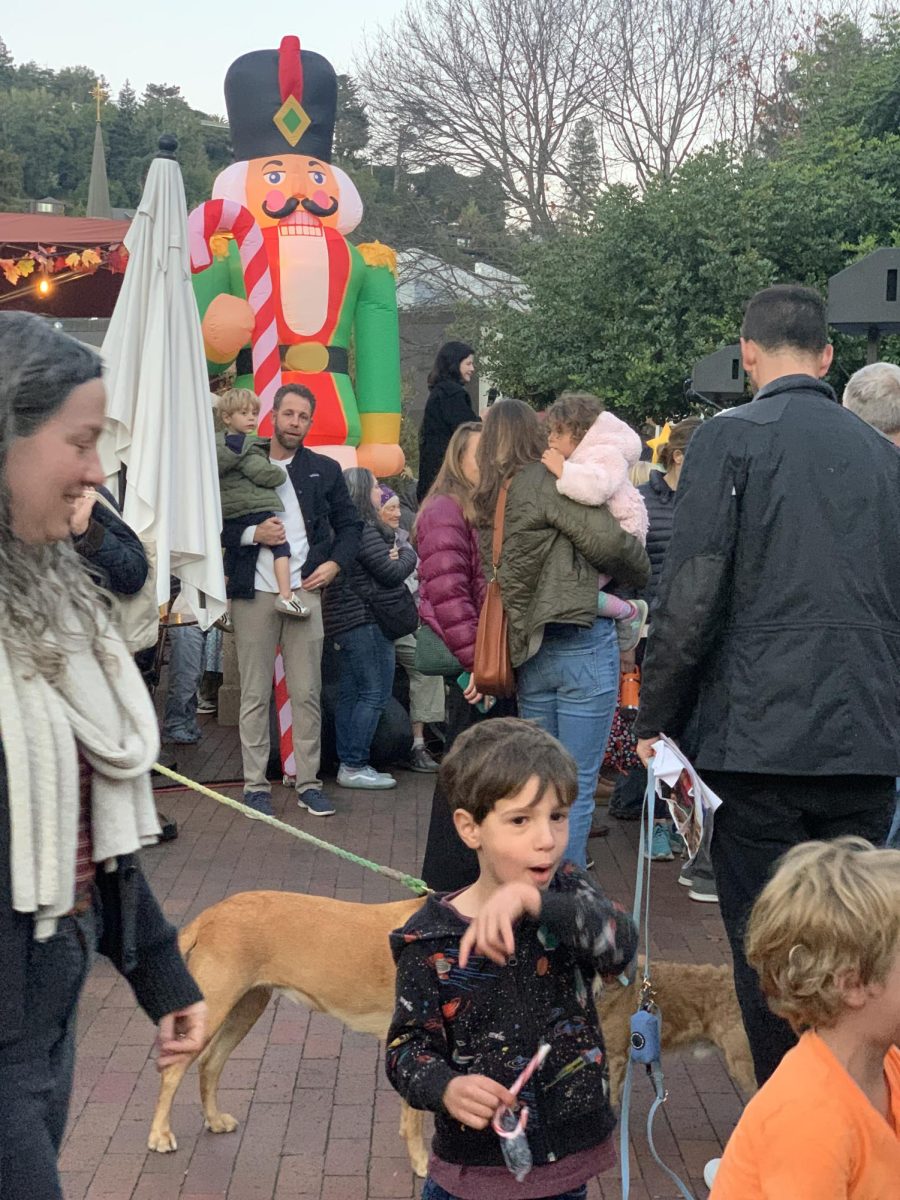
pixel 334 957
pixel 697 1005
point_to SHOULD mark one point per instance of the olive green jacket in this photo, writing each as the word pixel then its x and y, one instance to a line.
pixel 553 550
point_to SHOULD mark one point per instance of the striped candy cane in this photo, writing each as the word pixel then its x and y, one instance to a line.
pixel 227 216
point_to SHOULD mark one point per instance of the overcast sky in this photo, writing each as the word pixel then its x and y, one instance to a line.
pixel 186 42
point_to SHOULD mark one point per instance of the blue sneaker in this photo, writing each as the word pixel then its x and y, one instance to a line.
pixel 315 803
pixel 660 845
pixel 261 801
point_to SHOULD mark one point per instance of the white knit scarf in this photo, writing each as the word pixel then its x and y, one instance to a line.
pixel 102 708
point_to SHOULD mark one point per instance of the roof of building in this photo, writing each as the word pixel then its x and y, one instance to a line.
pixel 29 229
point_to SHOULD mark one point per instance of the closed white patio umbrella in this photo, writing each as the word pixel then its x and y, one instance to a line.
pixel 159 410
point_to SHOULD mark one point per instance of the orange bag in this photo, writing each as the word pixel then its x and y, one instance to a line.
pixel 492 671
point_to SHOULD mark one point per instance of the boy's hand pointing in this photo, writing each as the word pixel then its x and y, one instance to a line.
pixel 491 932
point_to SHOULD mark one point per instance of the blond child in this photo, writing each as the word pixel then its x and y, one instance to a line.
pixel 591 453
pixel 824 936
pixel 249 482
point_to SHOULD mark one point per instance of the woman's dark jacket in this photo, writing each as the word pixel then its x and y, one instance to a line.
pixel 345 603
pixel 775 642
pixel 489 1020
pixel 136 938
pixel 448 406
pixel 112 550
pixel 659 499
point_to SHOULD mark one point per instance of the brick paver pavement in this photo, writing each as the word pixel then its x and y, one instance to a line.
pixel 318 1120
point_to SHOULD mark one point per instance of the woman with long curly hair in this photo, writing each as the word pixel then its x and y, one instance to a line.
pixel 78 736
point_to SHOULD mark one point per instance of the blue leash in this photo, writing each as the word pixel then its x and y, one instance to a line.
pixel 645 1024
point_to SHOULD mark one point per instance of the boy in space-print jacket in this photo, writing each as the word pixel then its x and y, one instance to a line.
pixel 489 1020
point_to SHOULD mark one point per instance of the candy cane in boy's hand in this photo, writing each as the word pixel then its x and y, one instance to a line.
pixel 227 216
pixel 510 1125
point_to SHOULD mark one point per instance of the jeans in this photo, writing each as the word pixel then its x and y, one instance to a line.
pixel 434 1191
pixel 760 819
pixel 570 689
pixel 185 669
pixel 36 1069
pixel 893 838
pixel 366 661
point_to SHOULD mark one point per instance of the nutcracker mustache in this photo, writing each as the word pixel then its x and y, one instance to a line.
pixel 285 211
pixel 317 210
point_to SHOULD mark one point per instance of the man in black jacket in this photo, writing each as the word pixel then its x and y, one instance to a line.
pixel 321 525
pixel 774 655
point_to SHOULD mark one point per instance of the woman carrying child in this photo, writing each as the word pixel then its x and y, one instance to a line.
pixel 566 657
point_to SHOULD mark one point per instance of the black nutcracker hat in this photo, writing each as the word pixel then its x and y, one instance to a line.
pixel 281 101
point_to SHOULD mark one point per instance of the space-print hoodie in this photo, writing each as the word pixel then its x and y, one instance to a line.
pixel 489 1020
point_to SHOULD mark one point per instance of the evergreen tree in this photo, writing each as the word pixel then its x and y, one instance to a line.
pixel 7 67
pixel 351 130
pixel 584 176
pixel 125 149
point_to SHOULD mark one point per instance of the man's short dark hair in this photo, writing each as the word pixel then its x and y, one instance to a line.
pixel 496 759
pixel 786 316
pixel 294 389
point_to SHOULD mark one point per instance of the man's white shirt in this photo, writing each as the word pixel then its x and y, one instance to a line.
pixel 294 535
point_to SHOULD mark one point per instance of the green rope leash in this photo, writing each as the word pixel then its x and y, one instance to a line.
pixel 419 886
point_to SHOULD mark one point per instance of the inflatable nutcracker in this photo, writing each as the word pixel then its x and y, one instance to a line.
pixel 281 291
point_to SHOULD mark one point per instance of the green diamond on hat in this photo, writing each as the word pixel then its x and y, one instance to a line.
pixel 292 120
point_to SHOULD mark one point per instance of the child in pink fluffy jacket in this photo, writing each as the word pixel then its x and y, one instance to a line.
pixel 590 453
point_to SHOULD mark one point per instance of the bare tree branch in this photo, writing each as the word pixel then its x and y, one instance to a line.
pixel 492 85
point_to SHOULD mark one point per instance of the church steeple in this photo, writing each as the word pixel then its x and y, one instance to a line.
pixel 98 204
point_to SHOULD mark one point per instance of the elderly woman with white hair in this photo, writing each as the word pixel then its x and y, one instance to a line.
pixel 78 736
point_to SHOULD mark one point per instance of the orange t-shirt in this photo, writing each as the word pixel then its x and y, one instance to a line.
pixel 811 1134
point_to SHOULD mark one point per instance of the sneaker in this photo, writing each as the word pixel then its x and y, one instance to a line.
pixel 628 631
pixel 703 890
pixel 261 801
pixel 207 706
pixel 293 607
pixel 181 738
pixel 685 878
pixel 364 777
pixel 679 845
pixel 589 864
pixel 313 800
pixel 710 1170
pixel 421 760
pixel 626 814
pixel 660 846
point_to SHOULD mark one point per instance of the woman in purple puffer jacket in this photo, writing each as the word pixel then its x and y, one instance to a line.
pixel 451 592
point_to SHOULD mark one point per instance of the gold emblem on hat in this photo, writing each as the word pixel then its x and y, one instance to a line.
pixel 292 120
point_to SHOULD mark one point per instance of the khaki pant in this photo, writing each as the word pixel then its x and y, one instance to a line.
pixel 258 629
pixel 426 692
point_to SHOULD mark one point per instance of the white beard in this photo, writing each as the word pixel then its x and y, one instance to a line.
pixel 303 259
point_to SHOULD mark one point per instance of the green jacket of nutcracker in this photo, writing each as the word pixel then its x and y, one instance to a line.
pixel 329 294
